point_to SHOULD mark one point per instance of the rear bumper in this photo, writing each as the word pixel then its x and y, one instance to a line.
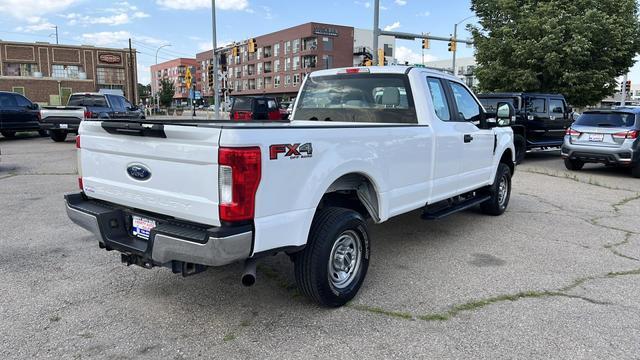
pixel 622 156
pixel 68 126
pixel 171 241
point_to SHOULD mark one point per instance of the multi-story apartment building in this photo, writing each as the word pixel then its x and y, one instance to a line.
pixel 174 71
pixel 281 60
pixel 49 73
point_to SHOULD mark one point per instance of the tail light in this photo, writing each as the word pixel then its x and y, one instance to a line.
pixel 572 132
pixel 626 135
pixel 80 184
pixel 88 114
pixel 242 115
pixel 239 176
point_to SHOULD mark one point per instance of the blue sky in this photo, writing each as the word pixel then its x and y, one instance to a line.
pixel 186 24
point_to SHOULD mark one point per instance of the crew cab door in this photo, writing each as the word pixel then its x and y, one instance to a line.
pixel 537 113
pixel 476 148
pixel 558 117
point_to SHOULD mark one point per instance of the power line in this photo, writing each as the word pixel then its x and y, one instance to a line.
pixel 169 52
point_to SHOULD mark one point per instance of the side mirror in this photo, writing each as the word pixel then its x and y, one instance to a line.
pixel 505 114
pixel 35 106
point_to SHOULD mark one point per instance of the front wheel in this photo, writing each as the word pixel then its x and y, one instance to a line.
pixel 520 143
pixel 333 265
pixel 500 192
pixel 58 135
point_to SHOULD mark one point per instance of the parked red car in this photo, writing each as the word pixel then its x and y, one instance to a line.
pixel 255 108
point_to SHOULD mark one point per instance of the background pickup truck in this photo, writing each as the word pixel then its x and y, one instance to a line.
pixel 367 144
pixel 61 120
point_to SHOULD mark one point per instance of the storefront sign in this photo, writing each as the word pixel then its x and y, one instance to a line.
pixel 110 58
pixel 325 31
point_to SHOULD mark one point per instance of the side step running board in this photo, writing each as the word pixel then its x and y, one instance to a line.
pixel 464 205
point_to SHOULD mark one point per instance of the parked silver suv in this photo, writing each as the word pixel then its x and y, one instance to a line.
pixel 610 137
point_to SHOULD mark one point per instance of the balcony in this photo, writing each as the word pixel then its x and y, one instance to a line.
pixel 309 44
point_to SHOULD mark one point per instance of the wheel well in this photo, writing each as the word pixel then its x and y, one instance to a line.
pixel 507 159
pixel 518 130
pixel 355 192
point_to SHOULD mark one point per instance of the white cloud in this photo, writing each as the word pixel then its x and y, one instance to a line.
pixel 401 2
pixel 112 20
pixel 25 9
pixel 405 54
pixel 366 4
pixel 198 4
pixel 116 39
pixel 40 25
pixel 144 73
pixel 424 13
pixel 392 27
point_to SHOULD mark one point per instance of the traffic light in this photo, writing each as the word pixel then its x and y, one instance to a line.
pixel 210 75
pixel 252 46
pixel 426 44
pixel 628 85
pixel 453 45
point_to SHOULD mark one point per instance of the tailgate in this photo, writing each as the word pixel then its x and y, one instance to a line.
pixel 64 114
pixel 175 176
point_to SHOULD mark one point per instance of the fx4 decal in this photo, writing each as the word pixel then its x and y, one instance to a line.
pixel 292 151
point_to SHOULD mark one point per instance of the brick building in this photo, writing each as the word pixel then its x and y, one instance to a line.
pixel 175 71
pixel 281 60
pixel 49 73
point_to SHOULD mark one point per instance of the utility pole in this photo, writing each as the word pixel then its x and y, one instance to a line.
pixel 455 50
pixel 216 86
pixel 55 34
pixel 623 102
pixel 134 87
pixel 376 30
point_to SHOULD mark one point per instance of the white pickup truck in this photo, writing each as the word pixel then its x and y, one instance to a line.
pixel 367 144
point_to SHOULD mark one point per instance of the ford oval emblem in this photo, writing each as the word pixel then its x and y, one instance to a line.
pixel 139 172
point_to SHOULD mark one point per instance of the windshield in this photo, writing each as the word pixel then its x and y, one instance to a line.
pixel 603 119
pixel 88 100
pixel 242 104
pixel 378 98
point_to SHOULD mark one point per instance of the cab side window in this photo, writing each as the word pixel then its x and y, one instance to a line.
pixel 7 101
pixel 536 105
pixel 439 99
pixel 116 103
pixel 557 106
pixel 23 101
pixel 468 107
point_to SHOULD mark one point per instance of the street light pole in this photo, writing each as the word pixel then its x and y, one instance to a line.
pixel 216 86
pixel 156 82
pixel 376 31
pixel 455 37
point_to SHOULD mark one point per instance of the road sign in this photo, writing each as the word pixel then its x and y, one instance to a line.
pixel 188 78
pixel 198 95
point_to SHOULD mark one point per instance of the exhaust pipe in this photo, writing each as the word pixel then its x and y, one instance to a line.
pixel 249 274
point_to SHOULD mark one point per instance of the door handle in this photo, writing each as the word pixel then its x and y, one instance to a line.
pixel 468 138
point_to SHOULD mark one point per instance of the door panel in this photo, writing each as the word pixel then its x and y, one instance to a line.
pixel 556 125
pixel 537 111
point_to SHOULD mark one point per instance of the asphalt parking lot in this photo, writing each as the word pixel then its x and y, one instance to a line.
pixel 558 276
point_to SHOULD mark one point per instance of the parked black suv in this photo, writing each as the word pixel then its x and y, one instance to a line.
pixel 541 119
pixel 17 113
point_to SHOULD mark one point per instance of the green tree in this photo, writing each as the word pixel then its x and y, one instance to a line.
pixel 167 90
pixel 144 91
pixel 573 47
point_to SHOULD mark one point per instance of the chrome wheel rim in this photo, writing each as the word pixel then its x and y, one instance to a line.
pixel 503 191
pixel 345 259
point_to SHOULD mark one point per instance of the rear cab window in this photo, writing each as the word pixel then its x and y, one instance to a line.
pixel 88 100
pixel 242 104
pixel 362 98
pixel 608 119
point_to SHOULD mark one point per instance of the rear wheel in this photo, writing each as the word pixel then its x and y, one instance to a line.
pixel 500 192
pixel 58 135
pixel 43 133
pixel 520 144
pixel 8 134
pixel 635 171
pixel 573 164
pixel 333 265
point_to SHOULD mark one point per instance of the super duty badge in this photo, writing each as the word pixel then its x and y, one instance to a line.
pixel 292 151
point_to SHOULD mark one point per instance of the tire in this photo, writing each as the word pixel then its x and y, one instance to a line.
pixel 43 133
pixel 500 192
pixel 635 171
pixel 573 165
pixel 339 234
pixel 8 134
pixel 520 143
pixel 58 136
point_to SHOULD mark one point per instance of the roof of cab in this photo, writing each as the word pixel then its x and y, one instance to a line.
pixel 395 69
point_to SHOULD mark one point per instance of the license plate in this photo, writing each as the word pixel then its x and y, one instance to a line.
pixel 64 126
pixel 142 227
pixel 596 137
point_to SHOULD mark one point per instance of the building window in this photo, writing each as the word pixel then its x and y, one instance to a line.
pixel 252 69
pixel 259 68
pixel 276 82
pixel 260 83
pixel 327 44
pixel 287 64
pixel 276 66
pixel 267 83
pixel 287 48
pixel 327 62
pixel 259 55
pixel 296 79
pixel 110 75
pixel 245 69
pixel 276 49
pixel 287 80
pixel 267 51
pixel 296 63
pixel 309 44
pixel 267 67
pixel 18 89
pixel 245 84
pixel 252 84
pixel 20 69
pixel 296 45
pixel 309 61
